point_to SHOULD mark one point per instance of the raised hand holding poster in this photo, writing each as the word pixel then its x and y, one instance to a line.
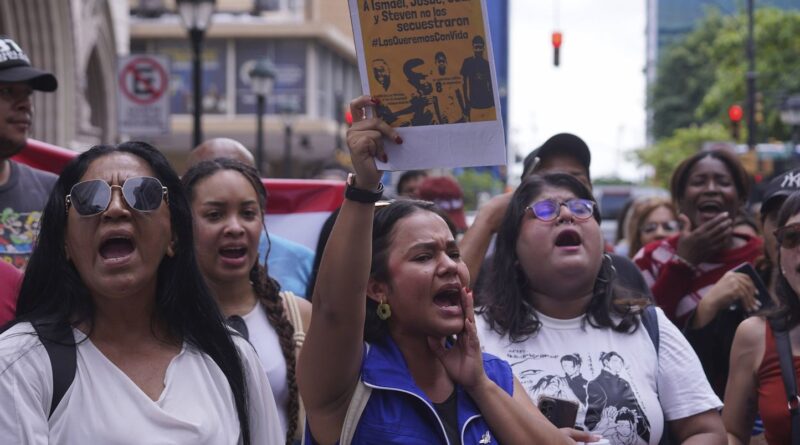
pixel 429 63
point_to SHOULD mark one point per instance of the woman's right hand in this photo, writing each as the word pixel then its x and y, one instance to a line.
pixel 698 243
pixel 365 140
pixel 731 288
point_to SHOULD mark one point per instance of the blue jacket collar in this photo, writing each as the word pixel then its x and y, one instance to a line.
pixel 385 368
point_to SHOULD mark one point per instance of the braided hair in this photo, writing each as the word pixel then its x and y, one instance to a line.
pixel 268 293
pixel 267 289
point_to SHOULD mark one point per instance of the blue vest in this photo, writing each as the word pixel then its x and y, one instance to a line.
pixel 398 412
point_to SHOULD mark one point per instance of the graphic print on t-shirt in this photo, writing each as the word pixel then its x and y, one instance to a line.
pixel 18 233
pixel 599 382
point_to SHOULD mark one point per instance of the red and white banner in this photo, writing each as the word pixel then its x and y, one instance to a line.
pixel 296 208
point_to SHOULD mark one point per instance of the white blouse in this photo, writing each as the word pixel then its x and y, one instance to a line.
pixel 104 405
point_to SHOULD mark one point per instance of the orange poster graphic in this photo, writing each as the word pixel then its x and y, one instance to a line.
pixel 427 61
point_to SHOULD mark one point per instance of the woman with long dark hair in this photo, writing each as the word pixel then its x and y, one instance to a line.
pixel 394 315
pixel 554 298
pixel 228 202
pixel 152 359
pixel 755 385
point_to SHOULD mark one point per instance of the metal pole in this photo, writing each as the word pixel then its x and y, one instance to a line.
pixel 287 150
pixel 338 115
pixel 751 79
pixel 259 132
pixel 196 36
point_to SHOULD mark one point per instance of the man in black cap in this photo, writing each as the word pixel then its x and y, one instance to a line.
pixel 562 153
pixel 23 190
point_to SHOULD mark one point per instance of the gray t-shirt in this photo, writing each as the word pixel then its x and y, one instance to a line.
pixel 22 200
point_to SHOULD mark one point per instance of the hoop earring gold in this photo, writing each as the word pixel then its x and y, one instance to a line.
pixel 384 311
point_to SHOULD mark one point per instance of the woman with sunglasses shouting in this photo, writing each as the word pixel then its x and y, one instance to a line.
pixel 691 273
pixel 411 382
pixel 228 202
pixel 755 385
pixel 117 339
pixel 555 312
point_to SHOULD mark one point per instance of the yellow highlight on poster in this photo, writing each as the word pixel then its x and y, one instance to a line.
pixel 428 61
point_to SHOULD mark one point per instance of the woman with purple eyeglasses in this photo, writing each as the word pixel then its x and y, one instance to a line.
pixel 554 310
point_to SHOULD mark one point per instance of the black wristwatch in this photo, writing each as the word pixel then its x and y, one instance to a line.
pixel 360 195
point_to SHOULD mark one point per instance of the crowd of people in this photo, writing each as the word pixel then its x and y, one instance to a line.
pixel 137 306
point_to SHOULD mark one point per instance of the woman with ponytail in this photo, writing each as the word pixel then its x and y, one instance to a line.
pixel 228 203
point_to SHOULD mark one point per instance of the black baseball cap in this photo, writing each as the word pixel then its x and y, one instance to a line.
pixel 16 67
pixel 565 144
pixel 778 189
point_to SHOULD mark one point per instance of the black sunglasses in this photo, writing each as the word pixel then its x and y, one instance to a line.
pixel 142 193
pixel 788 236
pixel 549 209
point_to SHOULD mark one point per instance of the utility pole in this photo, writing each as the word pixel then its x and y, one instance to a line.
pixel 751 79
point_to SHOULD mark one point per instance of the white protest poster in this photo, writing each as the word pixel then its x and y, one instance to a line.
pixel 429 62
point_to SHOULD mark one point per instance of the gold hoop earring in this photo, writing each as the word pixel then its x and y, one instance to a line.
pixel 384 311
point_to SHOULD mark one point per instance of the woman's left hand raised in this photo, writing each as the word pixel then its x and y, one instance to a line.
pixel 365 141
pixel 463 361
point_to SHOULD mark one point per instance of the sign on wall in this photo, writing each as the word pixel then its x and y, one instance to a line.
pixel 143 85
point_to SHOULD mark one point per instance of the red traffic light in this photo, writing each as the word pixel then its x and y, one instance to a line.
pixel 735 113
pixel 556 38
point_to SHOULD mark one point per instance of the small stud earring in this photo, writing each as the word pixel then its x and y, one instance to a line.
pixel 384 311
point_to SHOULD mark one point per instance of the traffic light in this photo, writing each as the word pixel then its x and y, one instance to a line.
pixel 556 38
pixel 735 114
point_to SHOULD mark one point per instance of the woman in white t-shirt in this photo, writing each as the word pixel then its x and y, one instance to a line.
pixel 152 360
pixel 228 202
pixel 554 313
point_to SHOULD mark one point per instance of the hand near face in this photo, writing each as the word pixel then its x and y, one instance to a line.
pixel 365 140
pixel 697 244
pixel 463 361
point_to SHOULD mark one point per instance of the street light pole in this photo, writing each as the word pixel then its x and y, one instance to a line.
pixel 196 16
pixel 287 150
pixel 751 79
pixel 259 131
pixel 196 37
pixel 262 80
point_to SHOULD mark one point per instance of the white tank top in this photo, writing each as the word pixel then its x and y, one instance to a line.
pixel 264 339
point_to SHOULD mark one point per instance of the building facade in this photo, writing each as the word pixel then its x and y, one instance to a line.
pixel 311 46
pixel 78 41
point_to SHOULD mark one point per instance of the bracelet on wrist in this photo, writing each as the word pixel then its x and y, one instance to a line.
pixel 354 193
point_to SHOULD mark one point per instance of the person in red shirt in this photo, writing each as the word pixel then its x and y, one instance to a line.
pixel 10 277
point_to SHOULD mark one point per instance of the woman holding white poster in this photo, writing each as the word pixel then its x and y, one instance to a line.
pixel 393 312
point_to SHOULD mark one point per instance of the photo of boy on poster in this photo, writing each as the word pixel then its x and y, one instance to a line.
pixel 448 92
pixel 477 82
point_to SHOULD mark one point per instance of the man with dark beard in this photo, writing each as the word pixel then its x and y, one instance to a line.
pixel 23 190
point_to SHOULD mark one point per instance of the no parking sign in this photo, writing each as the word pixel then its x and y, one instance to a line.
pixel 143 95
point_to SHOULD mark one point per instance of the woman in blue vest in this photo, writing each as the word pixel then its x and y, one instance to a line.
pixel 406 367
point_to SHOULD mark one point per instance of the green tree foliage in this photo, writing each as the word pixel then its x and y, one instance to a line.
pixel 668 152
pixel 700 77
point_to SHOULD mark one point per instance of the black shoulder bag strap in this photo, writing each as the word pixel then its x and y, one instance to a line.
pixel 650 322
pixel 784 348
pixel 59 343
